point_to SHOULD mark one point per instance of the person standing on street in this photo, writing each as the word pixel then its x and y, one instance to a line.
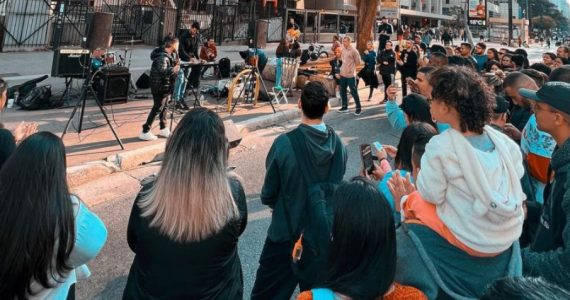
pixel 384 31
pixel 368 73
pixel 350 59
pixel 408 63
pixel 387 60
pixel 548 256
pixel 164 67
pixel 188 51
pixel 286 193
pixel 480 56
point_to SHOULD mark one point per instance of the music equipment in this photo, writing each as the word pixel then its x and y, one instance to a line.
pixel 99 30
pixel 70 62
pixel 112 85
pixel 144 80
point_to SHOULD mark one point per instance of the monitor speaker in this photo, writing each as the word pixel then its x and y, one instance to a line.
pixel 99 30
pixel 70 62
pixel 113 86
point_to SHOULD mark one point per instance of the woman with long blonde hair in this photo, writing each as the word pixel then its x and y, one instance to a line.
pixel 185 223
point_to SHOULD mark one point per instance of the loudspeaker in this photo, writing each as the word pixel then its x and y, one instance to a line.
pixel 113 86
pixel 99 30
pixel 144 80
pixel 232 133
pixel 70 63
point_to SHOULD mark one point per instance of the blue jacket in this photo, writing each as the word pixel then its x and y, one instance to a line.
pixel 370 60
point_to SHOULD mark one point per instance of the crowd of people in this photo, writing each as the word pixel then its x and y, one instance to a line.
pixel 473 203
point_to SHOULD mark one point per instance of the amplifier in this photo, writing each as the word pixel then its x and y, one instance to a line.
pixel 112 87
pixel 70 62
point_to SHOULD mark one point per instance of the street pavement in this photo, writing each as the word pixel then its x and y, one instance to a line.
pixel 110 269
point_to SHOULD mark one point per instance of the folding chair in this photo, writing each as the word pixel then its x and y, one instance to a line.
pixel 285 72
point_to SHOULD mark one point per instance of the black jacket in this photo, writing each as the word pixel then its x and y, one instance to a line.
pixel 189 46
pixel 335 67
pixel 166 269
pixel 390 57
pixel 410 66
pixel 549 254
pixel 161 71
pixel 284 184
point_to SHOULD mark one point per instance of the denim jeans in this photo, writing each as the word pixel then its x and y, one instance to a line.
pixel 180 85
pixel 348 83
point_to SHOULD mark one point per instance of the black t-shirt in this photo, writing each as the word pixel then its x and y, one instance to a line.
pixel 165 269
pixel 385 30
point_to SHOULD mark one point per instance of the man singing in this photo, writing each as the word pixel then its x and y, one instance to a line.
pixel 164 67
pixel 188 51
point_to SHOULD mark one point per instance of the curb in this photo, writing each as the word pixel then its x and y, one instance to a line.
pixel 88 172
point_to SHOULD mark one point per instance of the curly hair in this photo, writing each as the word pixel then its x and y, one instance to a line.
pixel 464 90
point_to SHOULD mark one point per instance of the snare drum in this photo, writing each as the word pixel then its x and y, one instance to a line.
pixel 109 58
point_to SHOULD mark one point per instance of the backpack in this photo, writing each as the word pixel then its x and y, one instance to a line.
pixel 305 56
pixel 39 98
pixel 311 249
pixel 225 67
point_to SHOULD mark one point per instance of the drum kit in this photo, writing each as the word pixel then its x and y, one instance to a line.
pixel 107 59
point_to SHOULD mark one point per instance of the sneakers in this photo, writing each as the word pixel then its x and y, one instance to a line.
pixel 343 110
pixel 182 106
pixel 357 112
pixel 165 133
pixel 147 136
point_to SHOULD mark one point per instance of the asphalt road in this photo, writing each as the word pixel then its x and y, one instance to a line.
pixel 110 269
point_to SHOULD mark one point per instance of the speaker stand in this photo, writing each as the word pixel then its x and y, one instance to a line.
pixel 88 88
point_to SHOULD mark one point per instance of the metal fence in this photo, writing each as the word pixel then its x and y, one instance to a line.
pixel 30 24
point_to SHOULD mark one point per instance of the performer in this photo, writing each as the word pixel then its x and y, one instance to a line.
pixel 208 53
pixel 164 68
pixel 188 52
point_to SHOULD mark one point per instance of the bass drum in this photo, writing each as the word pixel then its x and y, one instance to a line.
pixel 96 64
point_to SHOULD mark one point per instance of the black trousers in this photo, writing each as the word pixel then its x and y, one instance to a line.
pixel 275 279
pixel 387 80
pixel 404 83
pixel 159 108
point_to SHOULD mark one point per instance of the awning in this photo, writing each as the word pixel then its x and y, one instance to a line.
pixel 415 13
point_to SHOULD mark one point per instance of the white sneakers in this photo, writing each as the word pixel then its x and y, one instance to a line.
pixel 148 136
pixel 165 133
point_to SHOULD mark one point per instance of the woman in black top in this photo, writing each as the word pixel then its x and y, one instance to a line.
pixel 408 65
pixel 185 223
pixel 387 61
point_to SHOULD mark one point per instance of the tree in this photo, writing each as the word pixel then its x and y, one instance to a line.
pixel 366 22
pixel 544 22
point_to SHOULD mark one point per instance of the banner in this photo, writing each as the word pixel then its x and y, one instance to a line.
pixel 390 9
pixel 477 12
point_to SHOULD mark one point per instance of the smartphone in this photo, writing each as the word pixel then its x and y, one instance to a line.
pixel 367 158
pixel 393 80
pixel 377 145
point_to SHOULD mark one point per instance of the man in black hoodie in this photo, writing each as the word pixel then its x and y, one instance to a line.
pixel 285 191
pixel 549 254
pixel 163 69
pixel 188 50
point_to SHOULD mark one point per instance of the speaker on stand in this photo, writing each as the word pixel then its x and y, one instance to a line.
pixel 98 37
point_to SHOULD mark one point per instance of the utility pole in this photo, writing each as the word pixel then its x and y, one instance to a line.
pixel 510 22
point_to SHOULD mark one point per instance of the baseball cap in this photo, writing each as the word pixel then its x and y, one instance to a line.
pixel 501 105
pixel 554 93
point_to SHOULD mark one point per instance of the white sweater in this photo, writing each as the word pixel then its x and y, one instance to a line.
pixel 477 194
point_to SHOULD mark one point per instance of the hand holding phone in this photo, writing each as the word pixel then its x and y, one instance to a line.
pixel 367 158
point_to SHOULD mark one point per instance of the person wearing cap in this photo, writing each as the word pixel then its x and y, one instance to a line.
pixel 549 254
pixel 500 114
pixel 384 31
